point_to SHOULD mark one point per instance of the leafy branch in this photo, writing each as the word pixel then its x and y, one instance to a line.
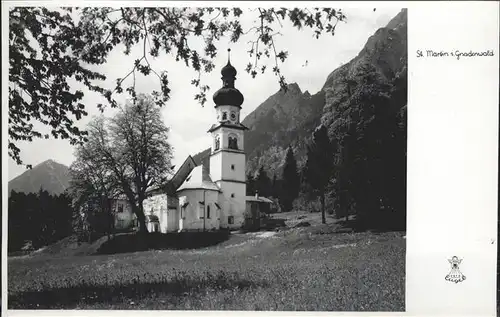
pixel 48 47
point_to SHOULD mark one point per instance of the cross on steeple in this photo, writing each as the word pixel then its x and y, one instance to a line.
pixel 228 72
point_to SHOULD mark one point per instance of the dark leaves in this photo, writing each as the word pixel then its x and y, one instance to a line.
pixel 237 12
pixel 210 50
pixel 195 61
pixel 237 32
pixel 282 56
pixel 201 96
pixel 164 87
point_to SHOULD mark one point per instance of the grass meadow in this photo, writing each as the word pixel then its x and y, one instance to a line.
pixel 299 269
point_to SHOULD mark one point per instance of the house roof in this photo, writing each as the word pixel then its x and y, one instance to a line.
pixel 259 199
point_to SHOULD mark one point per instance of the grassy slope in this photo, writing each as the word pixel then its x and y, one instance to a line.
pixel 299 269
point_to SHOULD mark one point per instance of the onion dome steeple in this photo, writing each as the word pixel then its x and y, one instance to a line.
pixel 228 72
pixel 228 95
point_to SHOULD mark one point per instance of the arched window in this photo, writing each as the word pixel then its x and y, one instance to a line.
pixel 233 142
pixel 224 116
pixel 217 143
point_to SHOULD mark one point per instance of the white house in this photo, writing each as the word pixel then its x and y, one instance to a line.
pixel 124 217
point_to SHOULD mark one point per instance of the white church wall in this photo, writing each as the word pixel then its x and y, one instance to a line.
pixel 234 167
pixel 227 166
pixel 154 204
pixel 223 135
pixel 215 135
pixel 227 109
pixel 173 214
pixel 165 208
pixel 153 227
pixel 216 166
pixel 232 206
pixel 212 219
pixel 172 223
pixel 193 213
pixel 157 205
pixel 225 140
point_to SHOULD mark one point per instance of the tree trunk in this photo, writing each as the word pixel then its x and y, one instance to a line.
pixel 141 219
pixel 109 216
pixel 322 198
pixel 137 209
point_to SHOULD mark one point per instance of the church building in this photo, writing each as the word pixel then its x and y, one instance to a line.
pixel 209 194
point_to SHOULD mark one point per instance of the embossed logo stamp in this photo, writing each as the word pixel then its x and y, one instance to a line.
pixel 455 275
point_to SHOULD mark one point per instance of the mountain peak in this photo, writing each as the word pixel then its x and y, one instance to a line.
pixel 48 163
pixel 399 20
pixel 295 87
pixel 49 175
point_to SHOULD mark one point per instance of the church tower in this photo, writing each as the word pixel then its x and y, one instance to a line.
pixel 227 159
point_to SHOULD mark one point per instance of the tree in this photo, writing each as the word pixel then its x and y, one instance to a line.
pixel 134 150
pixel 291 181
pixel 275 187
pixel 250 185
pixel 263 183
pixel 342 182
pixel 48 48
pixel 319 166
pixel 17 221
pixel 93 184
pixel 64 216
pixel 371 166
pixel 38 219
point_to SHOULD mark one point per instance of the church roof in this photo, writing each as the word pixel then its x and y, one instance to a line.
pixel 228 95
pixel 174 182
pixel 238 126
pixel 199 178
pixel 228 70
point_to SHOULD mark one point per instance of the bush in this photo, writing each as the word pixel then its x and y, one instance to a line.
pixel 135 242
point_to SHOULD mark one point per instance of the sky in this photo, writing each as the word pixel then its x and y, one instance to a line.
pixel 187 119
